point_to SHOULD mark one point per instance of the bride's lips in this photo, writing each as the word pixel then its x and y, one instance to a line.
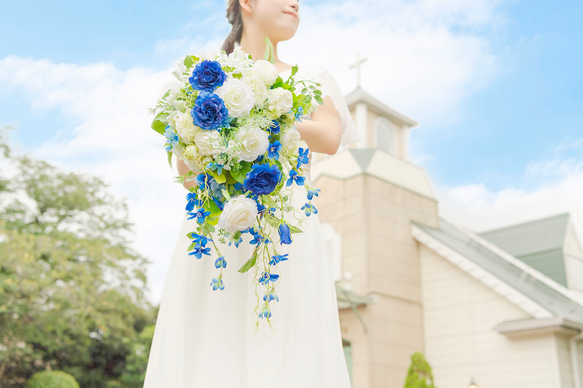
pixel 295 15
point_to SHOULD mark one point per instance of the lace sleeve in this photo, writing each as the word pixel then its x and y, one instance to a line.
pixel 330 88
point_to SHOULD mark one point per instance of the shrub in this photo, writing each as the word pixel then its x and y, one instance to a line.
pixel 52 379
pixel 419 374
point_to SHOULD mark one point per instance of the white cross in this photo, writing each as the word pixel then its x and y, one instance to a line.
pixel 357 65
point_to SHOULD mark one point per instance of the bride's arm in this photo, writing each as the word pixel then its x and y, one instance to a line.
pixel 183 169
pixel 324 132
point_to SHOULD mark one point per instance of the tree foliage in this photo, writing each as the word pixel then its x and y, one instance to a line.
pixel 71 288
pixel 419 374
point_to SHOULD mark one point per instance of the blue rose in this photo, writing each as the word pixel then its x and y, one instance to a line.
pixel 207 76
pixel 209 111
pixel 262 179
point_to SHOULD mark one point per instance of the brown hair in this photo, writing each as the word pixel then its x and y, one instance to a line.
pixel 234 17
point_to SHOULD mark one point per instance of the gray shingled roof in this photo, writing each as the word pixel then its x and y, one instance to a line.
pixel 538 243
pixel 535 289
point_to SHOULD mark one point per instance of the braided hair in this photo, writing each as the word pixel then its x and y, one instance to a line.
pixel 235 19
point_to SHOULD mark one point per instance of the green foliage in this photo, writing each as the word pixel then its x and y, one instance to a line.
pixel 137 360
pixel 419 374
pixel 71 288
pixel 52 379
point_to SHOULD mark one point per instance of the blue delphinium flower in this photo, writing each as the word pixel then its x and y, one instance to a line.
pixel 293 176
pixel 277 258
pixel 284 234
pixel 199 239
pixel 200 215
pixel 207 76
pixel 172 138
pixel 268 277
pixel 265 313
pixel 257 238
pixel 217 283
pixel 192 201
pixel 274 127
pixel 300 114
pixel 209 112
pixel 309 209
pixel 271 296
pixel 262 179
pixel 303 157
pixel 236 241
pixel 273 150
pixel 312 193
pixel 203 181
pixel 221 262
pixel 214 166
pixel 199 250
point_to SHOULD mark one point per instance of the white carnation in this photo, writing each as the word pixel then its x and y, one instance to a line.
pixel 208 142
pixel 254 142
pixel 238 214
pixel 280 101
pixel 290 139
pixel 185 127
pixel 238 97
pixel 265 72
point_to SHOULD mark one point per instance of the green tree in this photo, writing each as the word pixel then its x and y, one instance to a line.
pixel 419 374
pixel 52 379
pixel 71 288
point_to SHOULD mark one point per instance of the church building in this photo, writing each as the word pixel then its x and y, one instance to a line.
pixel 497 309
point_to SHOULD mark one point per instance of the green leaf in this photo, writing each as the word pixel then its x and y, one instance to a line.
pixel 189 61
pixel 294 229
pixel 169 158
pixel 159 126
pixel 226 194
pixel 269 54
pixel 294 70
pixel 250 263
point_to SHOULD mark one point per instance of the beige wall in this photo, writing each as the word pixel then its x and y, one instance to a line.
pixel 459 316
pixel 374 218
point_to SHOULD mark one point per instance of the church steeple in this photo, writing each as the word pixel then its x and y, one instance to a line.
pixel 379 125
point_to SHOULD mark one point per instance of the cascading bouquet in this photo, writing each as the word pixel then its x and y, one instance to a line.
pixel 231 120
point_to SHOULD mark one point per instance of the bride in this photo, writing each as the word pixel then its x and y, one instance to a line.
pixel 205 338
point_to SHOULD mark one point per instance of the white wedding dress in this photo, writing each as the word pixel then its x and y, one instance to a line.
pixel 206 338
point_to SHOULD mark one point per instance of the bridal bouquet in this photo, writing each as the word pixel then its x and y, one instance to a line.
pixel 231 120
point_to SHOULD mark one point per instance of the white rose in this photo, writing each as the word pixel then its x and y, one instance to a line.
pixel 185 127
pixel 290 139
pixel 207 142
pixel 238 214
pixel 254 142
pixel 258 87
pixel 280 101
pixel 265 71
pixel 238 97
pixel 172 99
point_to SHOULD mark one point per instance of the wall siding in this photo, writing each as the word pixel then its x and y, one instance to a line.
pixel 459 316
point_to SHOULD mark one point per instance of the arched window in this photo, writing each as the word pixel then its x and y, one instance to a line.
pixel 385 135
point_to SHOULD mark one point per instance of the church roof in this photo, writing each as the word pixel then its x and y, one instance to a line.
pixel 530 237
pixel 374 104
pixel 521 284
pixel 380 164
pixel 538 243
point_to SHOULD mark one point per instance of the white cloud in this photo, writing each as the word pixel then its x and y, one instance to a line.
pixel 113 141
pixel 424 58
pixel 558 184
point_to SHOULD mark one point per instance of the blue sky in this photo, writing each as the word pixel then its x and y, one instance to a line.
pixel 521 116
pixel 496 86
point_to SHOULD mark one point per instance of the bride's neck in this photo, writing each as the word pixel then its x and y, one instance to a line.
pixel 253 43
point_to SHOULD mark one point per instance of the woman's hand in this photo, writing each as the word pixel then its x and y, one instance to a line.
pixel 183 169
pixel 324 132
